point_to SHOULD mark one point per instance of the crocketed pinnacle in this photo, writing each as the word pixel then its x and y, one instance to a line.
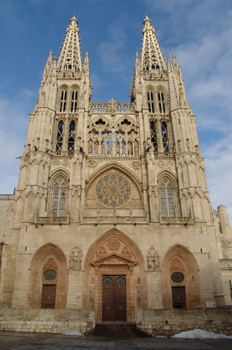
pixel 70 56
pixel 151 56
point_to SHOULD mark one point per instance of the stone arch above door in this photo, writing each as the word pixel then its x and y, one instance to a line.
pixel 40 258
pixel 179 259
pixel 114 253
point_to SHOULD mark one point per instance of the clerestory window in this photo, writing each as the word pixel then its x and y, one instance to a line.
pixel 74 101
pixel 161 102
pixel 153 135
pixel 150 101
pixel 60 136
pixel 164 132
pixel 59 196
pixel 71 138
pixel 166 198
pixel 63 99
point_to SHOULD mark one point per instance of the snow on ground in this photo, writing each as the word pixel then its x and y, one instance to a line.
pixel 200 334
pixel 72 333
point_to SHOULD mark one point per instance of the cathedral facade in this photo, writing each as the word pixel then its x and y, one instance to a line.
pixel 112 211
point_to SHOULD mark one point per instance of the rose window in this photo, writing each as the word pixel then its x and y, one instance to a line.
pixel 113 191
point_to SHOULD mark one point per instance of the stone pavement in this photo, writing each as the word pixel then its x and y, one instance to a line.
pixel 48 341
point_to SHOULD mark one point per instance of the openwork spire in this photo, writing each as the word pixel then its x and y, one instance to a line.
pixel 70 57
pixel 151 56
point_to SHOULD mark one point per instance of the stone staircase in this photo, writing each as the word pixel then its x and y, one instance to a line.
pixel 117 330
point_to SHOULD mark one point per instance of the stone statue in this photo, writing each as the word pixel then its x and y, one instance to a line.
pixel 188 144
pixel 108 148
pixel 136 147
pixel 152 260
pixel 103 148
pixel 75 259
pixel 129 148
pixel 90 148
pixel 96 148
pixel 122 148
pixel 117 148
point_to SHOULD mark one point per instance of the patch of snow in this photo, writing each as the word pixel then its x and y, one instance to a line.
pixel 200 334
pixel 73 333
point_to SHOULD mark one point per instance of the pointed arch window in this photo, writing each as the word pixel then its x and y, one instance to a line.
pixel 71 138
pixel 60 136
pixel 59 196
pixel 74 101
pixel 63 99
pixel 153 135
pixel 150 101
pixel 161 102
pixel 164 132
pixel 166 198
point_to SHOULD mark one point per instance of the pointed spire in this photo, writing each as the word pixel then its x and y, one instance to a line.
pixel 151 56
pixel 70 56
pixel 47 67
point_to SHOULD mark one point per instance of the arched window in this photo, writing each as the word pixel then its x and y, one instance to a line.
pixel 150 101
pixel 60 135
pixel 59 195
pixel 161 102
pixel 71 138
pixel 74 101
pixel 166 198
pixel 63 99
pixel 164 131
pixel 153 135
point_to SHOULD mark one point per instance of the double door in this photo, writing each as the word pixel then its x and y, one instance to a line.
pixel 114 298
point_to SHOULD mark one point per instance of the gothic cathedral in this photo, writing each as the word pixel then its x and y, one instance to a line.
pixel 112 212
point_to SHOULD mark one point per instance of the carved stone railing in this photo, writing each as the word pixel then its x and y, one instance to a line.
pixel 115 220
pixel 52 220
pixel 6 196
pixel 225 264
pixel 112 107
pixel 176 220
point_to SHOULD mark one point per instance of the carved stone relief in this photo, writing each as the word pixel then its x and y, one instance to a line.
pixel 75 259
pixel 153 263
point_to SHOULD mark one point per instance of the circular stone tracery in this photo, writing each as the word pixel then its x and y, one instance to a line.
pixel 113 191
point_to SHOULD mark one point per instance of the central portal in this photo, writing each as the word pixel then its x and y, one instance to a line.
pixel 114 298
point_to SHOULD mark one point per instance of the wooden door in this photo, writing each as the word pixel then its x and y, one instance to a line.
pixel 178 297
pixel 114 298
pixel 48 296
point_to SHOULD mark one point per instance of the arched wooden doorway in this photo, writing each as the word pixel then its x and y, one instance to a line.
pixel 115 262
pixel 48 278
pixel 180 279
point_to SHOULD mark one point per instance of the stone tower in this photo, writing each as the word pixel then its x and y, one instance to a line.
pixel 111 193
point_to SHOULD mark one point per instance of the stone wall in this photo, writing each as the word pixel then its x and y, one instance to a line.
pixel 46 320
pixel 173 321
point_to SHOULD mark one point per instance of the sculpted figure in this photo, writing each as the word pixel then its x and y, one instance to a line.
pixel 96 148
pixel 90 148
pixel 122 148
pixel 117 148
pixel 130 148
pixel 103 149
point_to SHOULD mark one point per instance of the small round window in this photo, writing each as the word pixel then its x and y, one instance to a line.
pixel 177 277
pixel 49 275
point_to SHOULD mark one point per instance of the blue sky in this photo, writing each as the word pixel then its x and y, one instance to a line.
pixel 198 31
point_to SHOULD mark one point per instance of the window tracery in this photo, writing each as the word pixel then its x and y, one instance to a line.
pixel 63 99
pixel 161 102
pixel 154 135
pixel 150 101
pixel 74 101
pixel 71 138
pixel 59 197
pixel 166 199
pixel 164 131
pixel 60 135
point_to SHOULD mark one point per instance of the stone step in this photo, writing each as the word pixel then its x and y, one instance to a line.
pixel 117 330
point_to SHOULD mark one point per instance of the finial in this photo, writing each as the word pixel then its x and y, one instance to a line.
pixel 147 19
pixel 73 21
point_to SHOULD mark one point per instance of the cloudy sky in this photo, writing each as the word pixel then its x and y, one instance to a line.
pixel 198 31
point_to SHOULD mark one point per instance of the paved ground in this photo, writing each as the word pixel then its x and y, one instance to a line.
pixel 41 341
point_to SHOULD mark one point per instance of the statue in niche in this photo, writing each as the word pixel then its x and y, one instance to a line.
pixel 129 148
pixel 122 148
pixel 198 152
pixel 90 147
pixel 188 144
pixel 108 148
pixel 96 148
pixel 148 144
pixel 117 148
pixel 179 146
pixel 75 259
pixel 136 147
pixel 152 260
pixel 103 148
